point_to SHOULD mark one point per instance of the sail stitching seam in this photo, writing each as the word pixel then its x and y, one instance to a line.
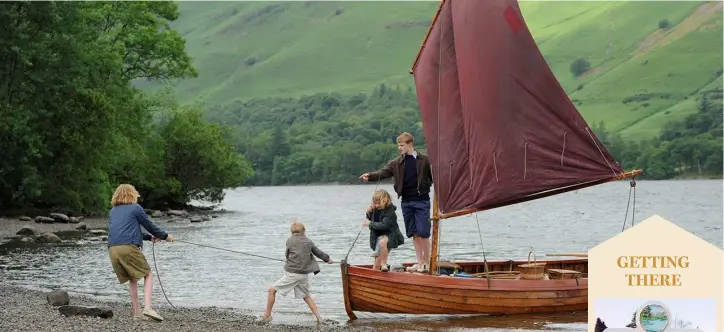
pixel 525 160
pixel 564 146
pixel 495 166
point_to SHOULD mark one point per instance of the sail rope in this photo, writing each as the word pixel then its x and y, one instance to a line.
pixel 480 234
pixel 601 151
pixel 633 210
pixel 163 291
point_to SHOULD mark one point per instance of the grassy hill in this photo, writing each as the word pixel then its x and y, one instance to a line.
pixel 641 75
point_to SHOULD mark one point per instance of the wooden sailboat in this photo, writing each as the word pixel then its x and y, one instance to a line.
pixel 500 130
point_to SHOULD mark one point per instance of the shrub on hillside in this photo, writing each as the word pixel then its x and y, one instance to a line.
pixel 580 66
pixel 664 24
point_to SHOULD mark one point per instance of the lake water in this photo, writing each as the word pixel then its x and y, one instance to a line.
pixel 259 223
pixel 654 325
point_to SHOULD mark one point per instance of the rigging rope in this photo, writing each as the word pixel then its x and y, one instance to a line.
pixel 480 234
pixel 633 211
pixel 360 230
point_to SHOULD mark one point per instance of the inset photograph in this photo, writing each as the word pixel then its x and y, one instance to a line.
pixel 655 315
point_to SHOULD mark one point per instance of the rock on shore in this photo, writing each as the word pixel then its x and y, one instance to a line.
pixel 28 310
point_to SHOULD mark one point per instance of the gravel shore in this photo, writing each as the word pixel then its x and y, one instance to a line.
pixel 10 226
pixel 28 310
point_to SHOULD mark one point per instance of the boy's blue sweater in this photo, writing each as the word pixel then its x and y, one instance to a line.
pixel 124 226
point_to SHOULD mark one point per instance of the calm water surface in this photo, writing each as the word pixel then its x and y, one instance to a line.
pixel 259 223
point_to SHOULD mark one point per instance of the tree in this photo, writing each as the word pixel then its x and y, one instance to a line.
pixel 600 325
pixel 199 160
pixel 580 66
pixel 664 24
pixel 71 125
pixel 633 321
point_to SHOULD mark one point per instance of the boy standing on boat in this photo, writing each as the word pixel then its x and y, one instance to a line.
pixel 413 179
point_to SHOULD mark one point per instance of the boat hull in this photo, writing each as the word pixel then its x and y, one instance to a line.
pixel 367 290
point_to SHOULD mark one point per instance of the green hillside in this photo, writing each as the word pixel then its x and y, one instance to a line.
pixel 249 50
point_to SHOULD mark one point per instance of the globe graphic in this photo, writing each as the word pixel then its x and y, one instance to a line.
pixel 653 317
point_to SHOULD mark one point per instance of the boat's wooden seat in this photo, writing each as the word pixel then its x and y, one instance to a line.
pixel 563 274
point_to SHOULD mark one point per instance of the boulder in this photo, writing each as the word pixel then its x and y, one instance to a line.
pixel 214 216
pixel 180 213
pixel 25 218
pixel 197 219
pixel 44 220
pixel 48 238
pixel 81 226
pixel 206 217
pixel 58 297
pixel 73 220
pixel 27 240
pixel 60 218
pixel 157 214
pixel 75 310
pixel 26 230
pixel 98 232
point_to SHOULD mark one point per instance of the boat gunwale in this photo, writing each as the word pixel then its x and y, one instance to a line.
pixel 478 284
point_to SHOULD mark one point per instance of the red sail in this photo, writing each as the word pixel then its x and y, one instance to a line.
pixel 498 125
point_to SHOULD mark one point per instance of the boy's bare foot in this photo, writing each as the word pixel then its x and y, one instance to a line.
pixel 139 317
pixel 266 319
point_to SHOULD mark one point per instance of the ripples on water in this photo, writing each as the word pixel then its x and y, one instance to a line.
pixel 259 223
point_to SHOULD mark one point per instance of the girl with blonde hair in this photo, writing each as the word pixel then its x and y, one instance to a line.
pixel 385 233
pixel 125 241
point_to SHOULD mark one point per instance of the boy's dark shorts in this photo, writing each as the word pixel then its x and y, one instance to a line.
pixel 417 218
pixel 128 262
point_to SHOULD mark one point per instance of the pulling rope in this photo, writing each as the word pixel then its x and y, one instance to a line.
pixel 163 291
pixel 234 251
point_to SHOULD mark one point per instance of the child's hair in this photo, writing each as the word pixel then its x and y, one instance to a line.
pixel 383 197
pixel 405 138
pixel 296 227
pixel 125 194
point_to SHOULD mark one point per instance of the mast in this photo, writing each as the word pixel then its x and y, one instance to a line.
pixel 434 247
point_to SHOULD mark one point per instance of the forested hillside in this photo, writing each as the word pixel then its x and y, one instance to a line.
pixel 300 93
pixel 271 93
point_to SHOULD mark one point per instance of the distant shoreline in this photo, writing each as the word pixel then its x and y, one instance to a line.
pixel 389 182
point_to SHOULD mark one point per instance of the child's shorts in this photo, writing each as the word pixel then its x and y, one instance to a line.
pixel 128 262
pixel 296 281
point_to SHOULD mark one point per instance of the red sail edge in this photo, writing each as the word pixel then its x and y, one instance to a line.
pixel 497 123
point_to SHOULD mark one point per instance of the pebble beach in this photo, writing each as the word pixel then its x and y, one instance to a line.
pixel 23 309
pixel 28 310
